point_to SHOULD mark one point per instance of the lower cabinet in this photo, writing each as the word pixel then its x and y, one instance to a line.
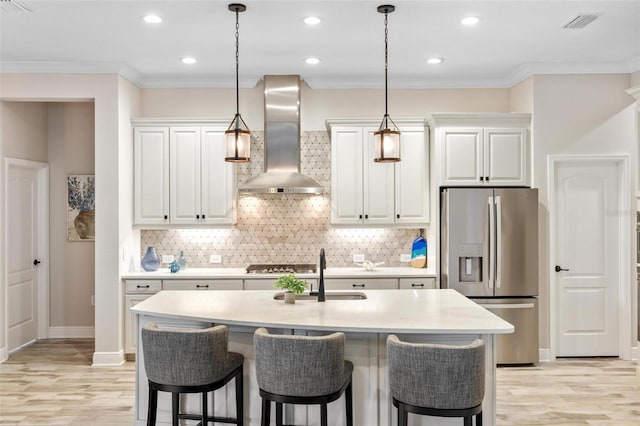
pixel 135 292
pixel 202 285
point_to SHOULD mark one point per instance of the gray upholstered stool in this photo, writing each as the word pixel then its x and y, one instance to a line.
pixel 436 380
pixel 302 370
pixel 190 361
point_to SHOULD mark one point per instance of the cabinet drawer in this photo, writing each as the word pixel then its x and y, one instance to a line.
pixel 417 283
pixel 267 284
pixel 202 284
pixel 143 286
pixel 361 283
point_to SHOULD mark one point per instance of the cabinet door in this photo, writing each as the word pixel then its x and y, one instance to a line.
pixel 346 175
pixel 185 175
pixel 151 175
pixel 361 284
pixel 130 335
pixel 463 156
pixel 379 187
pixel 417 283
pixel 218 179
pixel 505 156
pixel 412 177
pixel 202 284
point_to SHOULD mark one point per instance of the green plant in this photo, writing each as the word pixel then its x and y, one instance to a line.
pixel 291 283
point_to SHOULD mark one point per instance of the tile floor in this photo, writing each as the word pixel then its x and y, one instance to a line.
pixel 52 383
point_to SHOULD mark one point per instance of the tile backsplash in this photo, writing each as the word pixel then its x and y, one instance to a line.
pixel 287 228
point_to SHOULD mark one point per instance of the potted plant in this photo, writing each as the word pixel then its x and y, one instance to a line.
pixel 291 286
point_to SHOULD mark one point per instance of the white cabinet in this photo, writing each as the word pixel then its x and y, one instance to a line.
pixel 229 284
pixel 361 284
pixel 486 149
pixel 369 193
pixel 151 175
pixel 416 283
pixel 198 186
pixel 135 292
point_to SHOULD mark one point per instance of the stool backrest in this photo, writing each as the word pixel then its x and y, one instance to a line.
pixel 436 376
pixel 185 357
pixel 299 365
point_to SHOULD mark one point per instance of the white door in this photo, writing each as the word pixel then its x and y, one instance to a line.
pixel 587 231
pixel 22 238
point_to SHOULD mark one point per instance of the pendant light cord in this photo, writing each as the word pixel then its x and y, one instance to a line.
pixel 386 65
pixel 237 63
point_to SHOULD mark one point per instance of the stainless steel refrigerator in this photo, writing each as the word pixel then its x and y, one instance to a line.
pixel 489 253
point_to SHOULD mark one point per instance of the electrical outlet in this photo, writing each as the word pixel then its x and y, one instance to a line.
pixel 215 258
pixel 168 258
pixel 405 257
pixel 93 300
pixel 358 257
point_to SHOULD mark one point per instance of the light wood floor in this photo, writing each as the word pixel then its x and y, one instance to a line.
pixel 52 383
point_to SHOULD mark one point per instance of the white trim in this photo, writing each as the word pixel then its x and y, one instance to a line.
pixel 543 355
pixel 108 359
pixel 635 354
pixel 3 355
pixel 71 332
pixel 43 244
pixel 624 246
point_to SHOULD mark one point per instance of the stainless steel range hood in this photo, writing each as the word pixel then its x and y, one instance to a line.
pixel 281 141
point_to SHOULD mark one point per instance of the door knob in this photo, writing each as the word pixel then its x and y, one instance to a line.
pixel 558 268
pixel 36 262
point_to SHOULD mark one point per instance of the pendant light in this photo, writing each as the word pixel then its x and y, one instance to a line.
pixel 387 137
pixel 237 136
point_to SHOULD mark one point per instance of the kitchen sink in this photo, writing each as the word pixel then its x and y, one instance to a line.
pixel 328 295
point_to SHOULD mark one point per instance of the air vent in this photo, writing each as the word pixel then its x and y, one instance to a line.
pixel 581 21
pixel 13 6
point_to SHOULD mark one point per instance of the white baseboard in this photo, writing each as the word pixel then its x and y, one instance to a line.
pixel 635 353
pixel 71 332
pixel 107 359
pixel 4 355
pixel 544 354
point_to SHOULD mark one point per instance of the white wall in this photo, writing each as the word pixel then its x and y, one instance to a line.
pixel 576 114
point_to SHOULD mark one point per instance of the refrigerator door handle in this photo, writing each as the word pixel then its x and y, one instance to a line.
pixel 498 271
pixel 491 241
pixel 507 305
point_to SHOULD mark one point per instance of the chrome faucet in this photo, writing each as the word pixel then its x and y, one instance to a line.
pixel 323 266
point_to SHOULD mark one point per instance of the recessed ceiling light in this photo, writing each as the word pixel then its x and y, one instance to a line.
pixel 312 61
pixel 311 20
pixel 470 21
pixel 434 61
pixel 152 19
pixel 189 60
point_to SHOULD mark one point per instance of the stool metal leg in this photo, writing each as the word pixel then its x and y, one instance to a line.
pixel 323 414
pixel 175 407
pixel 153 407
pixel 468 420
pixel 266 412
pixel 279 414
pixel 348 397
pixel 205 406
pixel 239 398
pixel 479 419
pixel 402 415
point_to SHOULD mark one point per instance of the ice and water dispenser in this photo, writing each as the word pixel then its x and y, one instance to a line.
pixel 470 263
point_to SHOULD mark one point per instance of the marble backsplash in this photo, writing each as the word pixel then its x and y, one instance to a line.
pixel 289 228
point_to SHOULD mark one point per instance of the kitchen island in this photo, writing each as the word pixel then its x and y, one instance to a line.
pixel 439 316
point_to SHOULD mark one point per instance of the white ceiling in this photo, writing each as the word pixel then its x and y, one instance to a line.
pixel 515 38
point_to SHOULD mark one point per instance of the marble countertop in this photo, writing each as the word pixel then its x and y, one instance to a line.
pixel 384 311
pixel 230 273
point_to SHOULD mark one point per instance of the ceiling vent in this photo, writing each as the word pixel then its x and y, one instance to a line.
pixel 13 6
pixel 581 21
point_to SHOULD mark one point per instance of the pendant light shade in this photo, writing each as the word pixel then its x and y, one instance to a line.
pixel 387 137
pixel 237 136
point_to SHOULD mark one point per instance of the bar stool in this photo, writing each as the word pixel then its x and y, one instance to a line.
pixel 436 380
pixel 190 361
pixel 302 370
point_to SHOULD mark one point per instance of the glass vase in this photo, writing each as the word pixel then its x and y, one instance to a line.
pixel 151 260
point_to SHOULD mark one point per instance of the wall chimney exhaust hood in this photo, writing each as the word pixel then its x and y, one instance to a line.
pixel 281 141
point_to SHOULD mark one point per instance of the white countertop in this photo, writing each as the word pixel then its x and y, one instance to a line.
pixel 384 311
pixel 220 273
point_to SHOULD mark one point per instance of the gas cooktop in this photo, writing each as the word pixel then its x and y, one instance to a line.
pixel 279 268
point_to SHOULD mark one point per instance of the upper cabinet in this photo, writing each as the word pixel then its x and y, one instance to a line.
pixel 367 193
pixel 483 149
pixel 180 176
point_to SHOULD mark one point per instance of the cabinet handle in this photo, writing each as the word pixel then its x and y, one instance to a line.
pixel 202 286
pixel 366 216
pixel 417 285
pixel 360 216
pixel 142 286
pixel 197 216
pixel 487 178
pixel 481 178
pixel 203 217
pixel 166 217
pixel 358 285
pixel 398 216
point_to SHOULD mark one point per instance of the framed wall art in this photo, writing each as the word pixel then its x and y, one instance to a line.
pixel 81 208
